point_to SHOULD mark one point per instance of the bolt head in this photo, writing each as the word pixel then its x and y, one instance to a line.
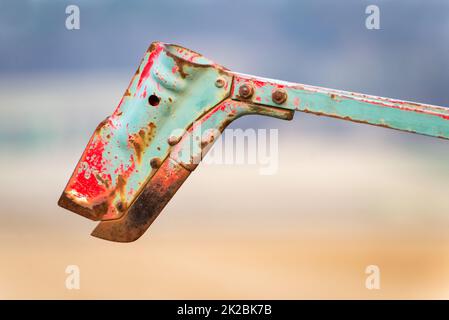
pixel 279 96
pixel 155 163
pixel 246 91
pixel 173 140
pixel 220 82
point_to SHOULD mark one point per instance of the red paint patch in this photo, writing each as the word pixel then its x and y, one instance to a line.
pixel 146 70
pixel 258 83
pixel 90 186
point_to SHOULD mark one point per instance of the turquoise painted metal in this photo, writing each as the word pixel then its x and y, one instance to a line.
pixel 139 156
pixel 402 115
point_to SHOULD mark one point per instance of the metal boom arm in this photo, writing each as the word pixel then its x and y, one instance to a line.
pixel 385 112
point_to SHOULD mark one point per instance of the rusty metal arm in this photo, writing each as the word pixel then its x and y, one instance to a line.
pixel 139 156
pixel 385 112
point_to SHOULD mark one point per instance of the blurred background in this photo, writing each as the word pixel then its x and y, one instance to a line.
pixel 345 196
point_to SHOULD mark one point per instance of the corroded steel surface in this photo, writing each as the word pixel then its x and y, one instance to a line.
pixel 171 88
pixel 391 113
pixel 183 158
pixel 175 107
pixel 147 206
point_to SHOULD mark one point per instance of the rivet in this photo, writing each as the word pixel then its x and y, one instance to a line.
pixel 155 163
pixel 173 140
pixel 220 82
pixel 279 96
pixel 246 91
pixel 120 207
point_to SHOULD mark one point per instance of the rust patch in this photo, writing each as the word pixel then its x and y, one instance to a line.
pixel 95 213
pixel 120 187
pixel 155 196
pixel 180 63
pixel 101 125
pixel 152 46
pixel 140 140
pixel 102 181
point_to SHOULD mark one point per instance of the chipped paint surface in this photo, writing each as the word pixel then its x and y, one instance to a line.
pixel 147 206
pixel 116 163
pixel 175 107
pixel 391 113
pixel 201 136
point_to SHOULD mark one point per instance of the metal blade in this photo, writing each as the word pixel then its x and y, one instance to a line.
pixel 156 194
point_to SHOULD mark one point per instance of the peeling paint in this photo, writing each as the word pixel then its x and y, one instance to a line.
pixel 133 164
